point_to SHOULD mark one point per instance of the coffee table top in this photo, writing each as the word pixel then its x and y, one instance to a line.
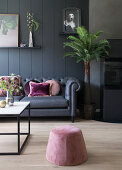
pixel 14 110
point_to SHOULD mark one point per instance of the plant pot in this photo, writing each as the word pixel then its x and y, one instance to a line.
pixel 89 111
pixel 9 99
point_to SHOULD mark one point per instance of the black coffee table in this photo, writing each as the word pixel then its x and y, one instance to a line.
pixel 16 111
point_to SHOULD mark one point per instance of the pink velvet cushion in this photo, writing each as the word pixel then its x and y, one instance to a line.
pixel 7 79
pixel 39 89
pixel 55 87
pixel 66 146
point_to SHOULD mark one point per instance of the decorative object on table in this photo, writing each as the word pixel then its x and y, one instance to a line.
pixel 2 103
pixel 86 48
pixel 32 25
pixel 9 30
pixel 71 19
pixel 9 98
pixel 10 86
pixel 22 45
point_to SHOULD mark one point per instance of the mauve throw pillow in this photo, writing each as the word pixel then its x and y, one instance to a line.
pixel 27 86
pixel 17 83
pixel 39 89
pixel 55 87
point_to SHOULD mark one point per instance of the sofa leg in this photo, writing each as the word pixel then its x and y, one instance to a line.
pixel 72 119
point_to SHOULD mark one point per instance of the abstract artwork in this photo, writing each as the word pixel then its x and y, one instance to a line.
pixel 9 30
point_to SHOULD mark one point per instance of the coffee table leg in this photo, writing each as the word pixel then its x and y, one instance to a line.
pixel 18 121
pixel 29 119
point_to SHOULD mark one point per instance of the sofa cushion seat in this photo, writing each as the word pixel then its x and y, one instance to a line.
pixel 46 102
pixel 16 98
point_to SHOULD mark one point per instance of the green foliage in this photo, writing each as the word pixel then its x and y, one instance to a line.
pixel 87 47
pixel 10 88
pixel 8 22
pixel 31 23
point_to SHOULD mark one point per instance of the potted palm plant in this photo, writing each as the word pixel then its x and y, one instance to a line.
pixel 87 47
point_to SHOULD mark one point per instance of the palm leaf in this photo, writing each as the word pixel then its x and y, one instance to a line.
pixel 69 54
pixel 82 32
pixel 74 39
pixel 87 46
pixel 99 33
pixel 72 45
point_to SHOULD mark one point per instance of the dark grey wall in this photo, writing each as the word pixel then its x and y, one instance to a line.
pixel 48 60
pixel 105 15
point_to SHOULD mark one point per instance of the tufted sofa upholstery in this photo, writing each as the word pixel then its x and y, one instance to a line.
pixel 64 104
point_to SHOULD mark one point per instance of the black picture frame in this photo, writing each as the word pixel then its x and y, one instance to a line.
pixel 71 19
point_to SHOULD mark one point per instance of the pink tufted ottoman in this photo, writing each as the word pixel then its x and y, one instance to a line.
pixel 66 146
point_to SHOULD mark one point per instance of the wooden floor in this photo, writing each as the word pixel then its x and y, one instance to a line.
pixel 103 142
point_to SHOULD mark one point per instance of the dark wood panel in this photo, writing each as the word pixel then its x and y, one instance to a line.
pixel 24 32
pixel 59 61
pixel 72 68
pixel 3 52
pixel 37 65
pixel 13 61
pixel 48 38
pixel 25 63
pixel 3 6
pixel 37 9
pixel 13 9
pixel 3 62
pixel 25 55
pixel 13 53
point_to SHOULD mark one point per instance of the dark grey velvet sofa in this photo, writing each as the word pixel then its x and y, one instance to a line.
pixel 64 104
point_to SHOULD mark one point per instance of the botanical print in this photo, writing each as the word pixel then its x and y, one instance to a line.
pixel 8 30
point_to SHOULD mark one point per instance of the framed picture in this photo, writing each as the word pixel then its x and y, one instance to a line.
pixel 71 19
pixel 9 27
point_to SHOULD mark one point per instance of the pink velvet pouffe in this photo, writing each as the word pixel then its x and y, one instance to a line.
pixel 66 146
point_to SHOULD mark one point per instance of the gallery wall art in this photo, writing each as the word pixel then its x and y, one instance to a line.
pixel 9 26
pixel 71 19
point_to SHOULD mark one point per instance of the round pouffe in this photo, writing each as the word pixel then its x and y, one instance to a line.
pixel 66 146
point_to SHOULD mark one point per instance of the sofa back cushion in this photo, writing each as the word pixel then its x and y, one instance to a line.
pixel 17 83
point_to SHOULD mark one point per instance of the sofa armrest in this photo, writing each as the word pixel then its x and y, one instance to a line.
pixel 72 86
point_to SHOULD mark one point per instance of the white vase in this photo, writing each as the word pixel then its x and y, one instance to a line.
pixel 30 39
